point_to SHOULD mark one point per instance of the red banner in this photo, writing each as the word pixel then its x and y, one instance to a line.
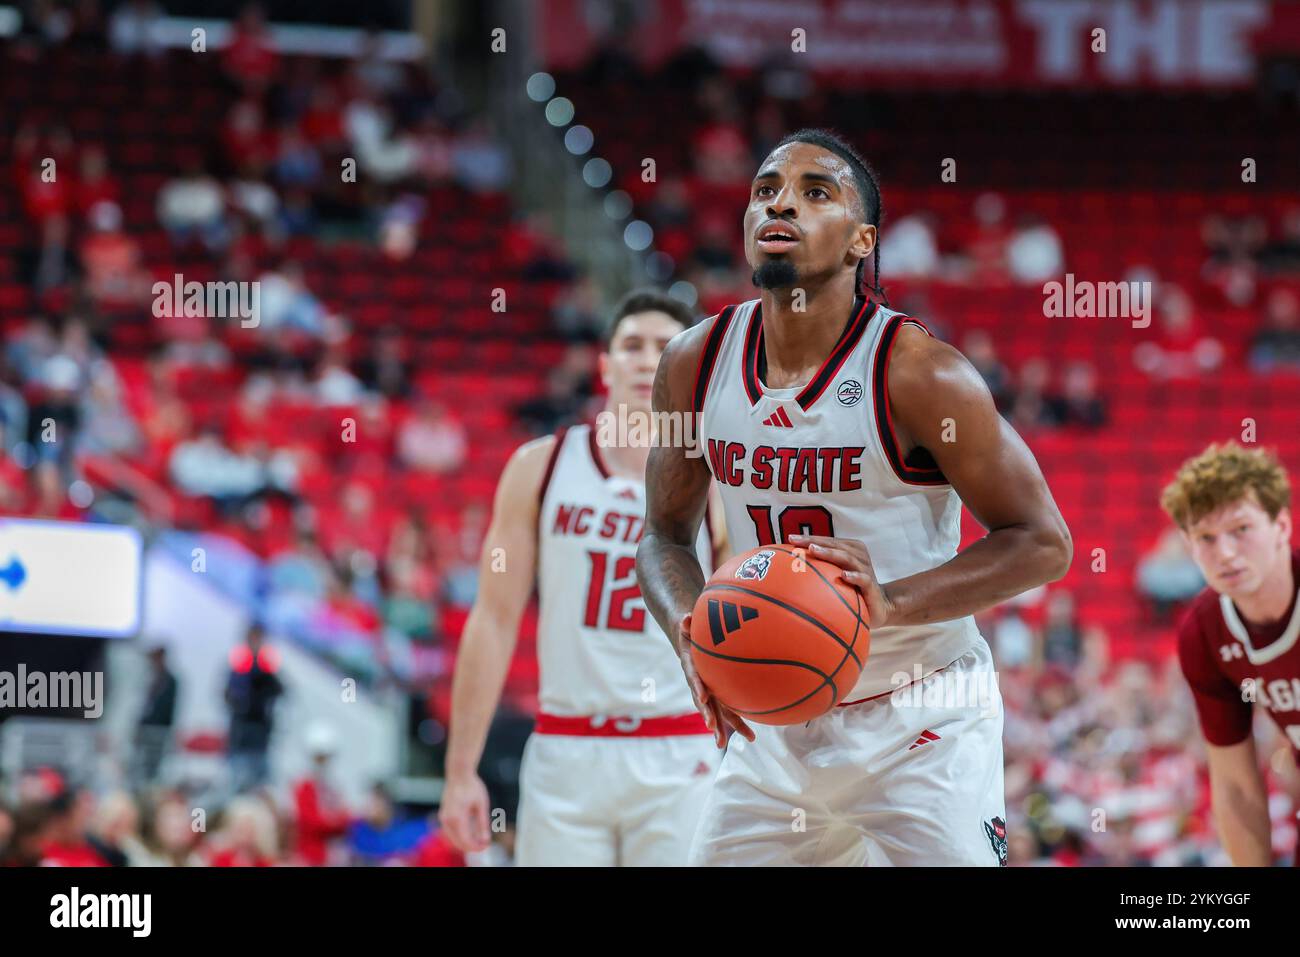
pixel 1020 43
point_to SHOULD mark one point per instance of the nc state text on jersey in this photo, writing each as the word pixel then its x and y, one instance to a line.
pixel 787 468
pixel 582 519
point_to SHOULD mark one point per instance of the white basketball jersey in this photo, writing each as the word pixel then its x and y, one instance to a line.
pixel 599 650
pixel 822 459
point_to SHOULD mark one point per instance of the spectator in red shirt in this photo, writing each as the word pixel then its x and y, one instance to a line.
pixel 248 58
pixel 248 838
pixel 436 851
pixel 65 836
pixel 94 183
pixel 321 815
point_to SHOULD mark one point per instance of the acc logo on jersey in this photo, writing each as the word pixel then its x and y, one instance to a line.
pixel 849 392
pixel 755 567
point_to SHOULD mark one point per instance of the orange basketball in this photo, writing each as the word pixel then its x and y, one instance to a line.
pixel 777 636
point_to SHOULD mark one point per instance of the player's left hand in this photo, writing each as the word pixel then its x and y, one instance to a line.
pixel 851 556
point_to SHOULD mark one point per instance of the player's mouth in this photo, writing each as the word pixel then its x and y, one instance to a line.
pixel 777 238
pixel 1231 578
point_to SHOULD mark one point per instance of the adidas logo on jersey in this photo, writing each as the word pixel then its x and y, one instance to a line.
pixel 725 617
pixel 779 419
pixel 926 737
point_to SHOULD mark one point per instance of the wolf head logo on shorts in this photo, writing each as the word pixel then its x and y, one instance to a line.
pixel 755 567
pixel 996 829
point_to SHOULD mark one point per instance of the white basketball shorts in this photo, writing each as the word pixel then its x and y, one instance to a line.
pixel 609 801
pixel 913 777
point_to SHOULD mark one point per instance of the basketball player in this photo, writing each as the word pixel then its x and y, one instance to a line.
pixel 620 760
pixel 834 423
pixel 1237 644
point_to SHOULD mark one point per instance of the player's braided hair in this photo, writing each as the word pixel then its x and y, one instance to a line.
pixel 864 177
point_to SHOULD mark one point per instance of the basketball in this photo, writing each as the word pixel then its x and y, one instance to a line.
pixel 777 636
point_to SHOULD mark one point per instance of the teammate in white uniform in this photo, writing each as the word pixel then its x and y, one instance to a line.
pixel 831 422
pixel 620 760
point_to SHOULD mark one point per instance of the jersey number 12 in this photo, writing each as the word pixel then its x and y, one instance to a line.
pixel 618 616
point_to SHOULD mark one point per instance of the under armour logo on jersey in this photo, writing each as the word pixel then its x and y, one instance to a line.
pixel 725 617
pixel 626 493
pixel 1228 652
pixel 779 419
pixel 926 737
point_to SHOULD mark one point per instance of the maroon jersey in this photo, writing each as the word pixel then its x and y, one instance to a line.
pixel 1230 663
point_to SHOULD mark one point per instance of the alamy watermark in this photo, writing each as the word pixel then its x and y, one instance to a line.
pixel 947 689
pixel 1098 300
pixel 213 300
pixel 57 690
pixel 636 428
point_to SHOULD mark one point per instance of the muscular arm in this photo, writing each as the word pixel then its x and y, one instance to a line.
pixel 1237 792
pixel 939 402
pixel 677 490
pixel 507 569
pixel 1240 803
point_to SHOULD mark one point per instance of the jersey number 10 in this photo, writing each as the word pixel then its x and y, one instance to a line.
pixel 793 520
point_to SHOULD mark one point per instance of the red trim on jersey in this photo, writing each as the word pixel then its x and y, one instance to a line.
pixel 595 452
pixel 839 355
pixel 708 527
pixel 709 356
pixel 749 355
pixel 884 414
pixel 550 465
pixel 606 726
pixel 846 704
pixel 849 337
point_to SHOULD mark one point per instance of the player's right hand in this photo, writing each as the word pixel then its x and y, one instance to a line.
pixel 720 719
pixel 464 813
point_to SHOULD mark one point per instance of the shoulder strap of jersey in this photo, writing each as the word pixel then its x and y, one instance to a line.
pixel 550 464
pixel 919 468
pixel 709 355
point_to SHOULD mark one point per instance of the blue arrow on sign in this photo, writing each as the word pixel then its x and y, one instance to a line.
pixel 14 574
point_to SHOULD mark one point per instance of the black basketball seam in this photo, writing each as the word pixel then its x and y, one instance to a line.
pixel 857 611
pixel 721 586
pixel 826 681
pixel 834 590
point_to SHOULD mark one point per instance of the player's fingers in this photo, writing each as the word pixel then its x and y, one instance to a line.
pixel 800 539
pixel 836 555
pixel 851 545
pixel 862 579
pixel 478 817
pixel 452 825
pixel 720 728
pixel 739 723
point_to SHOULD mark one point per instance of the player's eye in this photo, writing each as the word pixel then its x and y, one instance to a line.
pixel 818 189
pixel 759 190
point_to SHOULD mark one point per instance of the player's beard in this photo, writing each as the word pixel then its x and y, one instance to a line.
pixel 775 274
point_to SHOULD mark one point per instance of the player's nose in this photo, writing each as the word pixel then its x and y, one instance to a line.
pixel 782 204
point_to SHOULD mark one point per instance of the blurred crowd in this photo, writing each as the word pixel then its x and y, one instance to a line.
pixel 54 822
pixel 378 593
pixel 1104 760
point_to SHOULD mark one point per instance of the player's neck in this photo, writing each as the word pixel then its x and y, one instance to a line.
pixel 1272 599
pixel 797 341
pixel 625 460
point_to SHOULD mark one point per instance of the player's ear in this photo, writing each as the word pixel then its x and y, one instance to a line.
pixel 1284 524
pixel 602 367
pixel 864 240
